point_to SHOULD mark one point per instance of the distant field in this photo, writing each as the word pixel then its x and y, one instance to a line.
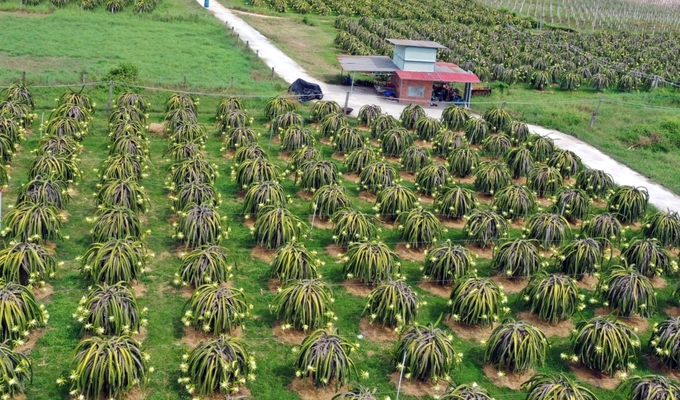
pixel 637 15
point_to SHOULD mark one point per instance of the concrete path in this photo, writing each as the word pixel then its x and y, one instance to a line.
pixel 290 70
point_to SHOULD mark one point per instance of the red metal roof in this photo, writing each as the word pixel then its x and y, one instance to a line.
pixel 444 72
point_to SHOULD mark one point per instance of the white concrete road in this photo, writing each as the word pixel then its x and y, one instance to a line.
pixel 290 70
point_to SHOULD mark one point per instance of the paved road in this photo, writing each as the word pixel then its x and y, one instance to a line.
pixel 290 70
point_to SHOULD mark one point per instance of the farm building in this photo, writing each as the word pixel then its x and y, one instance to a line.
pixel 416 75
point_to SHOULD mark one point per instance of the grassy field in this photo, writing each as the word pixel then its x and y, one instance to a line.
pixel 54 349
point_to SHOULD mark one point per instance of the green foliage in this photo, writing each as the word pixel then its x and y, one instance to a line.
pixel 55 167
pixel 304 304
pixel 357 393
pixel 114 261
pixel 330 124
pixel 629 203
pixel 26 263
pixel 476 301
pixel 324 107
pixel 115 223
pixel 484 228
pixel 455 202
pixel 463 162
pixel 413 159
pixel 419 228
pixel 541 147
pixel 44 191
pixel 548 229
pixel 572 204
pixel 220 364
pixel 427 353
pixel 604 227
pixel 565 161
pixel 226 105
pixel 260 194
pixel 109 310
pixel 248 152
pixel 628 292
pixel 236 138
pixel 616 343
pixel 497 145
pixel 394 141
pixel 540 79
pixel 315 174
pixel 431 179
pixel 557 387
pixel 188 132
pixel 580 257
pixel 369 262
pixel 347 139
pixel 19 93
pixel 127 99
pixel 411 114
pixel 520 161
pixel 287 120
pixel 649 258
pixel 200 226
pixel 122 193
pixel 665 340
pixel 350 225
pixel 329 199
pixel 664 227
pixel 358 159
pixel 476 130
pixel 514 202
pixel 7 149
pixel 650 387
pixel 294 262
pixel 215 309
pixel 368 113
pixel 325 358
pixel 195 193
pixel 20 313
pixel 64 126
pixel 544 180
pixel 497 118
pixel 491 176
pixel 122 166
pixel 393 304
pixel 28 222
pixel 296 137
pixel 206 264
pixel 61 147
pixel 10 127
pixel 276 226
pixel 107 367
pixel 278 106
pixel 139 147
pixel 300 156
pixel 394 200
pixel 16 371
pixel 454 117
pixel 254 170
pixel 447 262
pixel 447 141
pixel 426 128
pixel 517 258
pixel 517 131
pixel 516 347
pixel 553 298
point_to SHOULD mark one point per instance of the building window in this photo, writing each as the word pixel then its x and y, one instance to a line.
pixel 415 91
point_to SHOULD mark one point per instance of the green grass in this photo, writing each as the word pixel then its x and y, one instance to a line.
pixel 275 371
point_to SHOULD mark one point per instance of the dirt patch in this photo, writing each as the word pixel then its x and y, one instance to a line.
pixel 336 252
pixel 386 222
pixel 589 282
pixel 470 179
pixel 173 218
pixel 426 199
pixel 338 156
pixel 289 336
pixel 273 285
pixel 518 223
pixel 510 286
pixel 351 177
pixel 307 391
pixel 42 292
pixel 64 216
pixel 229 154
pixel 611 252
pixel 417 388
pixel 635 322
pixel 326 141
pixel 30 341
pixel 658 282
pixel 376 332
pixel 423 143
pixel 139 289
pixel 407 176
pixel 321 223
pixel 452 223
pixel 409 254
pixel 522 180
pixel 305 195
pixel 485 253
pixel 357 288
pixel 673 312
pixel 249 223
pixel 374 143
pixel 141 335
pixel 544 202
pixel 393 160
pixel 186 291
pixel 484 198
pixel 469 332
pixel 51 247
pixel 263 254
pixel 509 380
pixel 285 156
pixel 73 192
pixel 655 365
pixel 438 290
pixel 561 329
pixel 595 378
pixel 193 338
pixel 368 196
pixel 634 227
pixel 157 129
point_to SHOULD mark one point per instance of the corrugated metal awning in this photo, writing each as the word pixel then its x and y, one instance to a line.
pixel 443 72
pixel 366 63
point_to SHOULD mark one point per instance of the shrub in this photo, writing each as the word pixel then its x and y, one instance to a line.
pixel 107 367
pixel 357 393
pixel 188 132
pixel 254 170
pixel 29 222
pixel 294 262
pixel 287 120
pixel 650 387
pixel 491 176
pixel 426 128
pixel 44 191
pixel 553 298
pixel 517 258
pixel 199 226
pixel 548 229
pixel 133 114
pixel 463 162
pixel 393 304
pixel 419 228
pixel 664 227
pixel 369 262
pixel 665 340
pixel 330 124
pixel 66 126
pixel 278 106
pixel 276 226
pixel 358 159
pixel 192 171
pixel 629 292
pixel 431 179
pixel 544 180
pixel 604 227
pixel 54 167
pixel 410 115
pixel 351 226
pixel 447 141
pixel 109 310
pixel 580 257
pixel 26 263
pixel 541 147
pixel 216 309
pixel 206 264
pixel 303 304
pixel 315 174
pixel 484 227
pixel 239 137
pixel 295 138
pixel 377 176
pixel 125 128
pixel 220 364
pixel 394 200
pixel 114 261
pixel 629 203
pixel 19 93
pixel 347 139
pixel 325 357
pixel 368 113
pixel 260 194
pixel 557 387
pixel 16 371
pixel 454 117
pixel 615 340
pixel 122 193
pixel 300 156
pixel 195 194
pixel 329 199
pixel 122 166
pixel 518 131
pixel 426 353
pixel 115 223
pixel 476 301
pixel 139 147
pixel 21 313
pixel 59 147
pixel 572 204
pixel 516 347
pixel 595 182
pixel 394 141
pixel 520 161
pixel 566 161
pixel 324 107
pixel 514 202
pixel 497 145
pixel 649 258
pixel 11 127
pixel 497 118
pixel 413 159
pixel 447 262
pixel 476 130
pixel 226 105
pixel 455 202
